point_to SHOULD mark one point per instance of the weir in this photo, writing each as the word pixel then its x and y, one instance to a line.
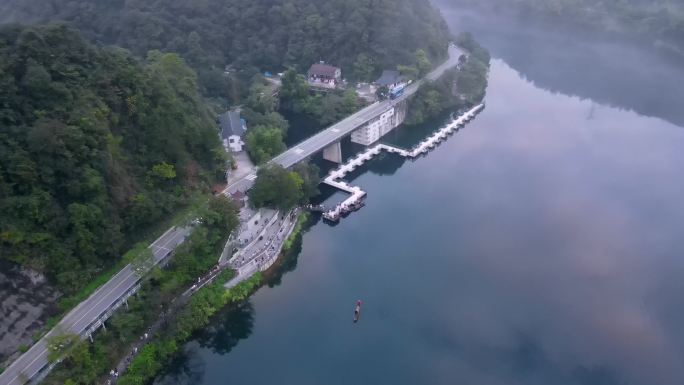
pixel 355 200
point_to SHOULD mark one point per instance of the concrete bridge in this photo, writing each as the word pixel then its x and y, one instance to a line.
pixel 382 116
pixel 365 126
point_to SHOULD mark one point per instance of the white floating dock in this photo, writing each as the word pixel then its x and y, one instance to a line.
pixel 355 200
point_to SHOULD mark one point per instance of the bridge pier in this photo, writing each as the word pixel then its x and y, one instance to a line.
pixel 333 153
pixel 400 110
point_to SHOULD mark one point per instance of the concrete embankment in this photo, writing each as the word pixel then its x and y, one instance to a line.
pixel 268 254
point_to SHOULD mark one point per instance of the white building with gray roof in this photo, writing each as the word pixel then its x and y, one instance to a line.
pixel 232 130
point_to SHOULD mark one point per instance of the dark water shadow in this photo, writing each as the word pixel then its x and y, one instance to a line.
pixel 187 367
pixel 231 325
pixel 228 327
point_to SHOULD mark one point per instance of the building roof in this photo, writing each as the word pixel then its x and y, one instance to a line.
pixel 388 77
pixel 320 69
pixel 239 198
pixel 231 124
pixel 237 195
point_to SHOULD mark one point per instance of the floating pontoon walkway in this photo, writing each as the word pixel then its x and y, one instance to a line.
pixel 355 200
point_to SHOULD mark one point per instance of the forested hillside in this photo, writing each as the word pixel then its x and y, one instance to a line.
pixel 95 146
pixel 361 36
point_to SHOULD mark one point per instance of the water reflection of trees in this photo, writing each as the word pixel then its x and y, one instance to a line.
pixel 231 324
pixel 575 62
pixel 186 367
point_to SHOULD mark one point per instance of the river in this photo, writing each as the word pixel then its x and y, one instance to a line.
pixel 539 245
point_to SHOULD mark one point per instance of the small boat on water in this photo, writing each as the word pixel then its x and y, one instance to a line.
pixel 357 311
pixel 357 205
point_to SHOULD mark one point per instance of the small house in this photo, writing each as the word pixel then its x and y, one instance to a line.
pixel 233 129
pixel 239 198
pixel 389 79
pixel 324 75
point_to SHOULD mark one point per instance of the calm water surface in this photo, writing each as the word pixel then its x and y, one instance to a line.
pixel 542 244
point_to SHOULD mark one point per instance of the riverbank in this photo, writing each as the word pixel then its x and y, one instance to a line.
pixel 296 231
pixel 195 311
pixel 457 89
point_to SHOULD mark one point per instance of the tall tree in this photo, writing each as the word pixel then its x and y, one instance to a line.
pixel 276 187
pixel 263 143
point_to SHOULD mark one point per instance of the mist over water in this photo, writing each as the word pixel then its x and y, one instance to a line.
pixel 539 245
pixel 607 71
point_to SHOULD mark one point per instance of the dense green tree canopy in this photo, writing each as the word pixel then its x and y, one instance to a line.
pixel 276 187
pixel 279 188
pixel 457 88
pixel 263 143
pixel 267 127
pixel 361 36
pixel 309 173
pixel 94 147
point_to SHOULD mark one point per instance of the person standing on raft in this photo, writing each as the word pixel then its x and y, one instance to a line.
pixel 357 311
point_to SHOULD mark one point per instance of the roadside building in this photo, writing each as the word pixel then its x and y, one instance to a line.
pixel 239 198
pixel 324 75
pixel 389 79
pixel 233 129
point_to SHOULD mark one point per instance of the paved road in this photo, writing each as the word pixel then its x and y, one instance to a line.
pixel 88 311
